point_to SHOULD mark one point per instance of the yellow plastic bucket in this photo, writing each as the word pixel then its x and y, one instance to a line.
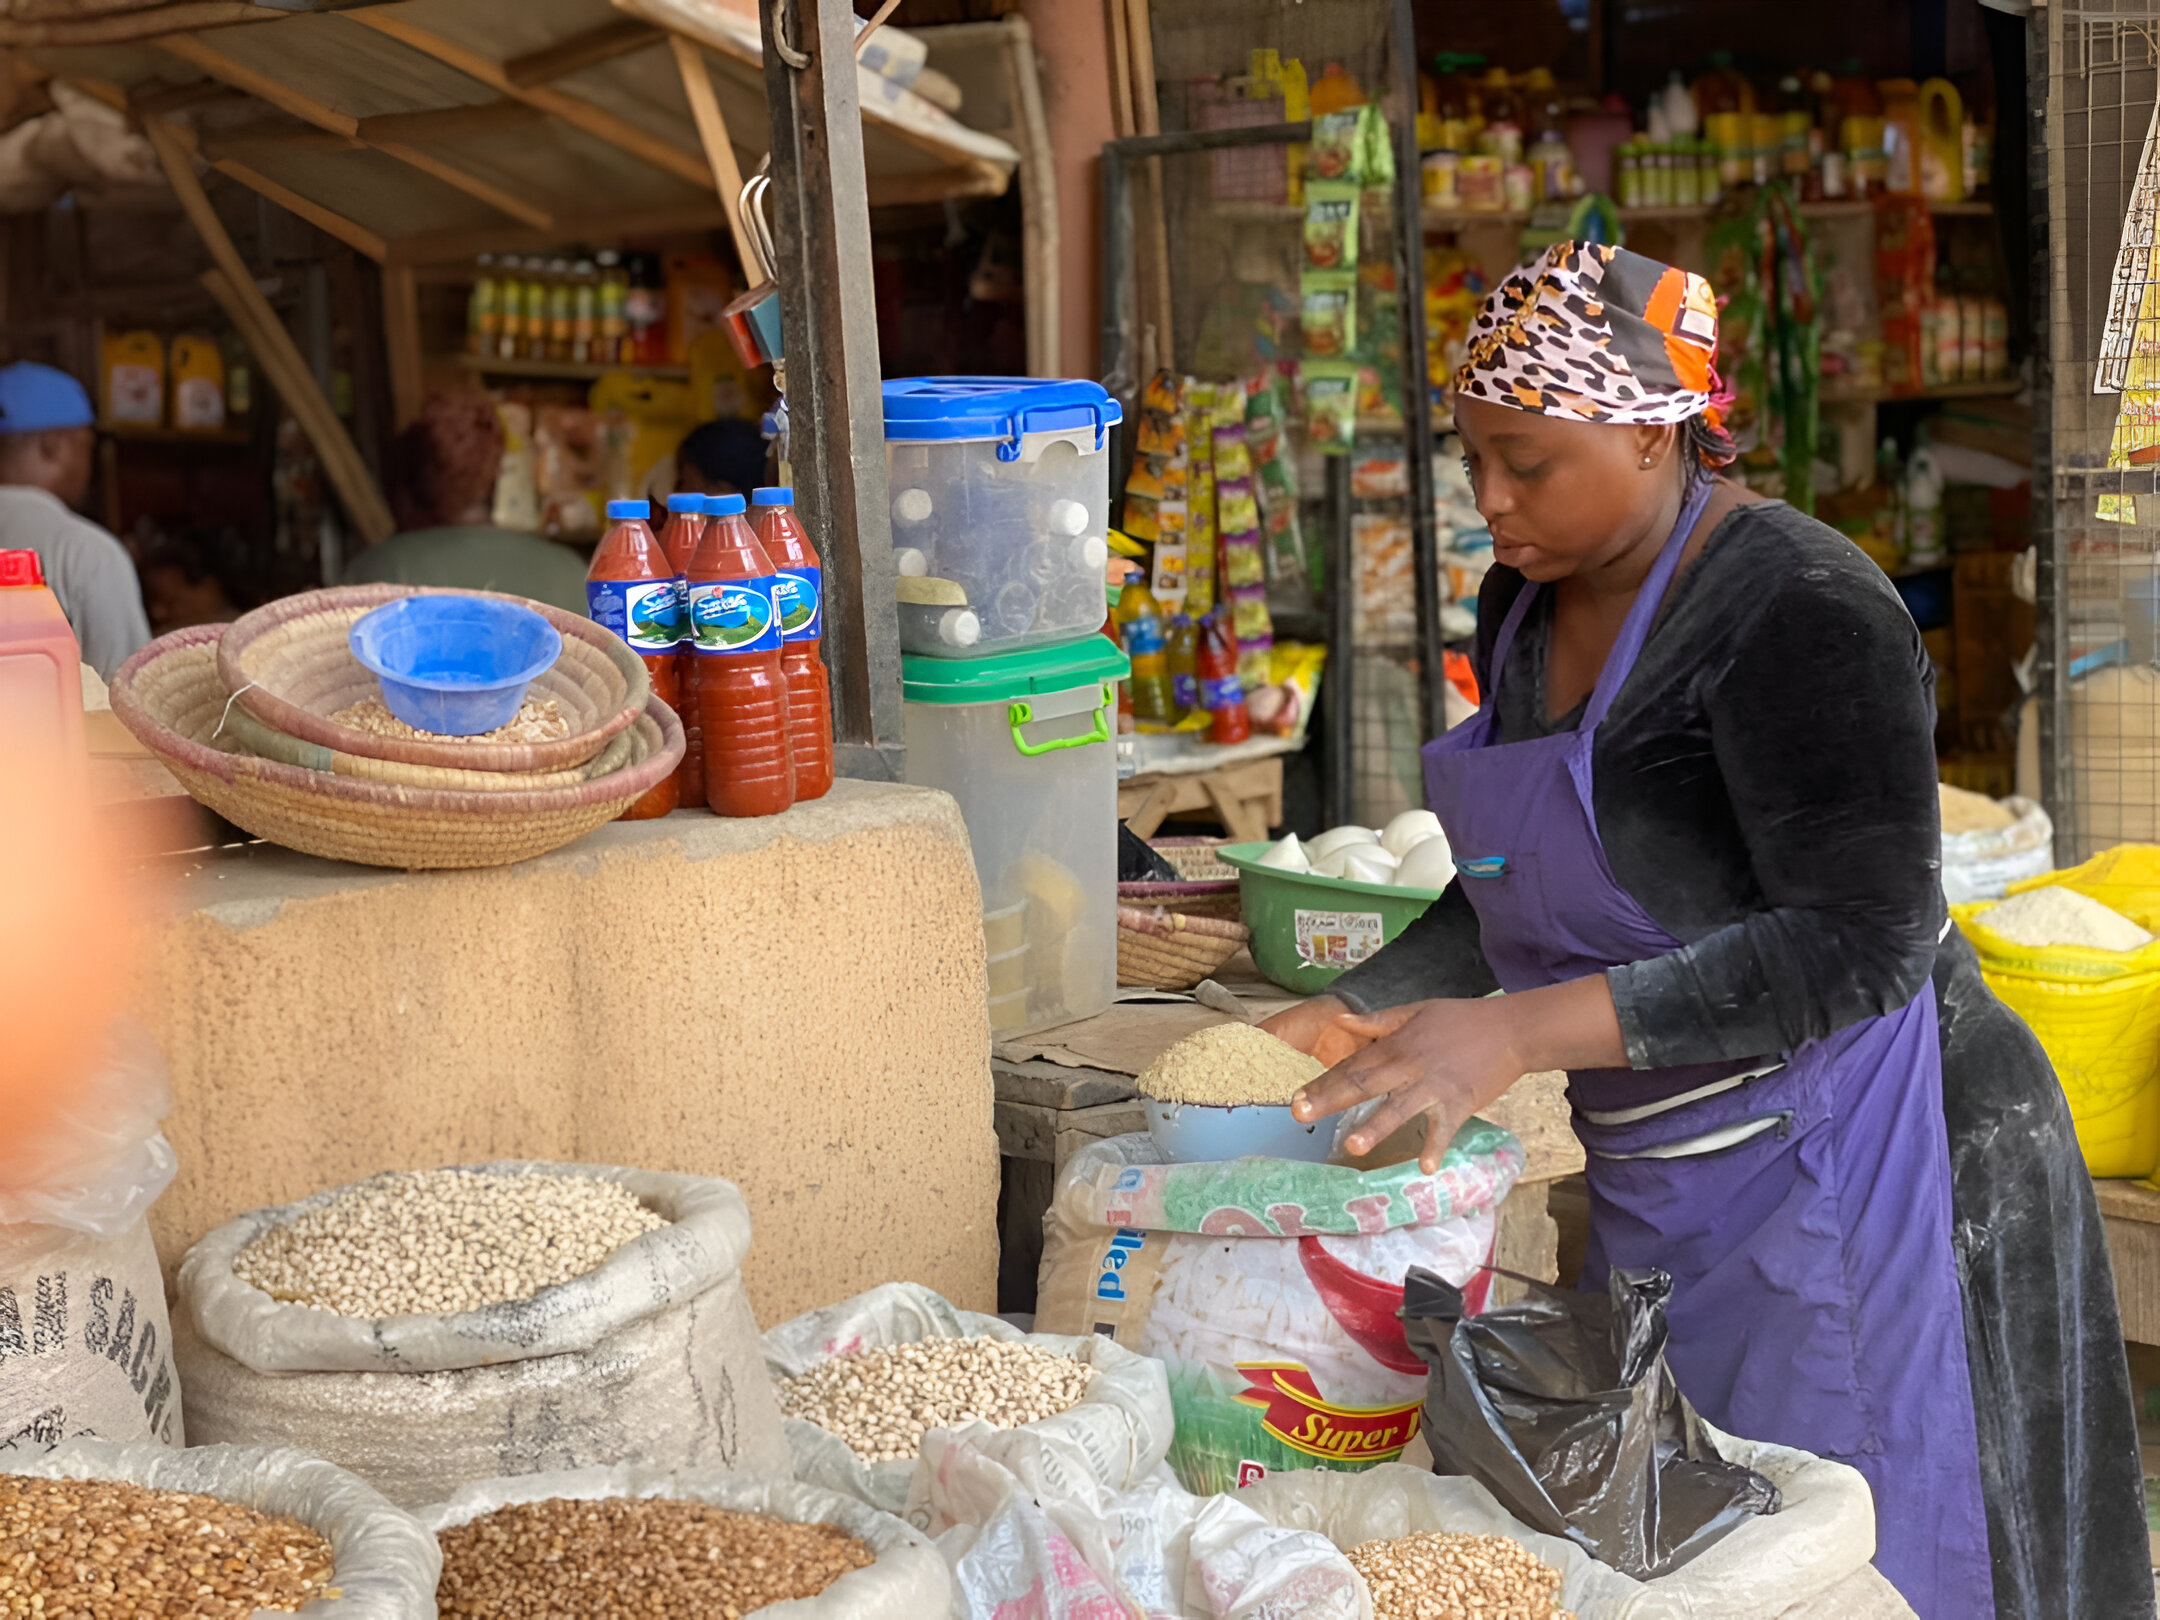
pixel 2096 1012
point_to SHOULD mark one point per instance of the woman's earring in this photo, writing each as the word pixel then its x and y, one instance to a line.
pixel 1646 461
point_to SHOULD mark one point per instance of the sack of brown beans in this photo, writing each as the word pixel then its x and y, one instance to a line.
pixel 861 1382
pixel 609 1543
pixel 429 1329
pixel 1420 1532
pixel 85 1344
pixel 100 1529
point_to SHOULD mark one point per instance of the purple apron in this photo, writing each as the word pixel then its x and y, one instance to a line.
pixel 1801 1201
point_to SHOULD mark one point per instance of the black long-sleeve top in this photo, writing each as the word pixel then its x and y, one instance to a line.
pixel 1764 786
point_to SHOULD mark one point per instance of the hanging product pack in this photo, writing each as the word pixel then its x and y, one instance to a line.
pixel 1563 1407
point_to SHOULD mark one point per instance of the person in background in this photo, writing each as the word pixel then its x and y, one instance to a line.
pixel 180 589
pixel 47 434
pixel 721 458
pixel 439 476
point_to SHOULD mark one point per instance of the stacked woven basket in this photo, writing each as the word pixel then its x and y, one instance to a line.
pixel 242 714
pixel 1171 935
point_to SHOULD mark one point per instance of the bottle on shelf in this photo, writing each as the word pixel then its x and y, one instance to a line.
pixel 509 309
pixel 742 693
pixel 1181 647
pixel 536 308
pixel 584 313
pixel 633 589
pixel 679 538
pixel 613 307
pixel 646 308
pixel 561 306
pixel 1221 692
pixel 483 309
pixel 1141 626
pixel 800 599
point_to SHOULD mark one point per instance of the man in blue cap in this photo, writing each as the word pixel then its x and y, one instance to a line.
pixel 47 434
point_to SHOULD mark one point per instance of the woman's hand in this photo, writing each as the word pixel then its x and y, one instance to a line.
pixel 1448 1059
pixel 1320 1028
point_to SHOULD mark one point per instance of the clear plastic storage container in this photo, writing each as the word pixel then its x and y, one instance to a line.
pixel 1026 743
pixel 1000 510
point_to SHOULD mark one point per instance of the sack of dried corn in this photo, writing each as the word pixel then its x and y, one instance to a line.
pixel 382 1563
pixel 862 1382
pixel 85 1344
pixel 629 1539
pixel 429 1329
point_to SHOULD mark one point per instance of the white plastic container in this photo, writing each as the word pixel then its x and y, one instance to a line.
pixel 1000 493
pixel 1026 744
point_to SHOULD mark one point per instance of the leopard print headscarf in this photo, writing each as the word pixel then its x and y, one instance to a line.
pixel 1603 335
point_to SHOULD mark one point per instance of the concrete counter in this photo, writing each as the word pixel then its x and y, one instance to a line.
pixel 795 1003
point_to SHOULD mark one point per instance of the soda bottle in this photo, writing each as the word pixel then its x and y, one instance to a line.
pixel 562 309
pixel 742 694
pixel 685 527
pixel 1142 627
pixel 614 321
pixel 1221 691
pixel 1182 649
pixel 800 598
pixel 536 308
pixel 483 310
pixel 633 590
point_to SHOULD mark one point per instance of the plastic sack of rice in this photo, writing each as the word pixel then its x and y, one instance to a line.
pixel 862 1383
pixel 1988 844
pixel 1268 1288
pixel 427 1329
pixel 373 1561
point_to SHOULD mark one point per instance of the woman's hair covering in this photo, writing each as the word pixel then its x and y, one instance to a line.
pixel 1602 335
pixel 726 452
pixel 445 462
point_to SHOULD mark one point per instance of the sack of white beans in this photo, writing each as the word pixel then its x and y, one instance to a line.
pixel 493 1320
pixel 383 1562
pixel 905 1578
pixel 863 1381
pixel 85 1345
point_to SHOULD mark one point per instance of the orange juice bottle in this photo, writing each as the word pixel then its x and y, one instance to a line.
pixel 800 599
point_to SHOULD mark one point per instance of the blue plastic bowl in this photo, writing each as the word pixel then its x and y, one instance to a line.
pixel 1193 1133
pixel 457 665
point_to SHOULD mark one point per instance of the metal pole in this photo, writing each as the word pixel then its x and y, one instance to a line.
pixel 1417 392
pixel 836 417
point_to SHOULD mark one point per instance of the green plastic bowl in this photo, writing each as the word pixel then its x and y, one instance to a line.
pixel 1341 919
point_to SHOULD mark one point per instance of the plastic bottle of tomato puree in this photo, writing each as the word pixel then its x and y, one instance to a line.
pixel 635 591
pixel 679 536
pixel 742 694
pixel 801 601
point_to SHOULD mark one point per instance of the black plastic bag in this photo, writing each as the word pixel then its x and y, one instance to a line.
pixel 1138 862
pixel 1562 1406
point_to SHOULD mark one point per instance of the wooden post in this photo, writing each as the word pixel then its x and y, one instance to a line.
pixel 234 287
pixel 401 341
pixel 719 150
pixel 1147 117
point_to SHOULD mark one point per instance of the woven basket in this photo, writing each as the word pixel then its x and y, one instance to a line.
pixel 292 667
pixel 171 697
pixel 1207 886
pixel 1169 950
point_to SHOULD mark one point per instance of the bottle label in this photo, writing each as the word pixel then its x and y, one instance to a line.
pixel 1225 691
pixel 799 595
pixel 734 616
pixel 1143 637
pixel 1185 689
pixel 647 613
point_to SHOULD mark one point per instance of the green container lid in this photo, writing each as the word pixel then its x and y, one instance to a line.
pixel 1003 677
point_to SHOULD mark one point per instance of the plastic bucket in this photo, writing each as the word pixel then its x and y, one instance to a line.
pixel 1308 930
pixel 454 665
pixel 1194 1133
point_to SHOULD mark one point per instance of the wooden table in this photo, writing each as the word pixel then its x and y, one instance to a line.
pixel 1246 798
pixel 2131 1212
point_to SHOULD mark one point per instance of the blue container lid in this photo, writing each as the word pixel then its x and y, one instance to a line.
pixel 934 410
pixel 686 503
pixel 723 505
pixel 773 495
pixel 628 509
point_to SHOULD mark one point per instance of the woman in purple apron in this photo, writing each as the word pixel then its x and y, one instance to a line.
pixel 1697 833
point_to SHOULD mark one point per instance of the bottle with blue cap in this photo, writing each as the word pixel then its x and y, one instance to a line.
pixel 633 590
pixel 679 537
pixel 742 694
pixel 800 597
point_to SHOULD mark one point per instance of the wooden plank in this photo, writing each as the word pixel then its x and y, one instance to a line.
pixel 580 51
pixel 1053 1085
pixel 2130 1211
pixel 353 234
pixel 1526 1240
pixel 977 179
pixel 401 342
pixel 719 150
pixel 157 100
pixel 572 110
pixel 450 123
pixel 1039 230
pixel 448 246
pixel 135 25
pixel 518 208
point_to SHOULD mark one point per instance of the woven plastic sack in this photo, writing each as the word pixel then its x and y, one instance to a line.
pixel 1116 1435
pixel 1021 1544
pixel 651 1358
pixel 1808 1561
pixel 2096 1012
pixel 1268 1288
pixel 908 1581
pixel 1984 865
pixel 385 1563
